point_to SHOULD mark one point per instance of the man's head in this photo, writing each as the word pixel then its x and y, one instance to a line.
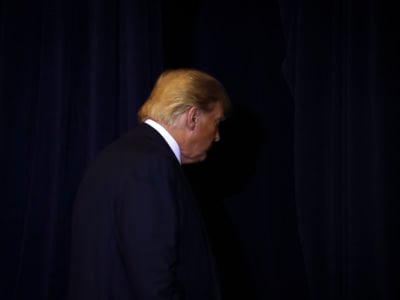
pixel 190 104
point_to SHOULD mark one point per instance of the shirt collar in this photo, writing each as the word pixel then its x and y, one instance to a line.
pixel 167 136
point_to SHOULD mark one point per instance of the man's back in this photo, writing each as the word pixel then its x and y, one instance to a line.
pixel 137 232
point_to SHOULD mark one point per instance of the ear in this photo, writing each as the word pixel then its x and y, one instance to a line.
pixel 191 117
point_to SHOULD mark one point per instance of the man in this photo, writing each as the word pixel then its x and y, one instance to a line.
pixel 137 232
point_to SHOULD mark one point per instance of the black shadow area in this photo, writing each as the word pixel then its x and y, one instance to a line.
pixel 222 177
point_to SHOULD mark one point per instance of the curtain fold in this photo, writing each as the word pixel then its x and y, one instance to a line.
pixel 333 65
pixel 301 194
pixel 73 74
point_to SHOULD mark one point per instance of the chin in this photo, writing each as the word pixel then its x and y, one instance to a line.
pixel 194 160
pixel 203 157
pixel 200 159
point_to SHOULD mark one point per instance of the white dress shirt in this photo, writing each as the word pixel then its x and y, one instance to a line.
pixel 167 136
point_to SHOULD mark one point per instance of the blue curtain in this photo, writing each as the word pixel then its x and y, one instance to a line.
pixel 73 74
pixel 342 67
pixel 300 196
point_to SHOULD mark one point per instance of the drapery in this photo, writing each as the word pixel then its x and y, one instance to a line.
pixel 299 196
pixel 342 68
pixel 72 76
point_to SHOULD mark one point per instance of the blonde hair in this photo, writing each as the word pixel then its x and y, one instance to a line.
pixel 177 90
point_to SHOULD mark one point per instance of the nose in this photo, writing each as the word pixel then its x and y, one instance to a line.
pixel 217 136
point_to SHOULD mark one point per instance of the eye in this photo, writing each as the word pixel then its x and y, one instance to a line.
pixel 218 121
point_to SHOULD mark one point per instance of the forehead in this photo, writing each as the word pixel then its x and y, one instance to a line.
pixel 218 110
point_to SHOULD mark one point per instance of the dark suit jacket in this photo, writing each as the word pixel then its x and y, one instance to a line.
pixel 137 232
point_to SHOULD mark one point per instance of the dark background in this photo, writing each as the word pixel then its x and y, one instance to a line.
pixel 300 196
